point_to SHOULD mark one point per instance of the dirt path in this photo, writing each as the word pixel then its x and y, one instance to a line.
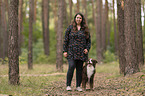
pixel 104 85
pixel 37 75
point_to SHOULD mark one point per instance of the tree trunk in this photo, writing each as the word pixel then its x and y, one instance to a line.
pixel 144 16
pixel 13 53
pixel 55 14
pixel 93 14
pixel 98 33
pixel 7 7
pixel 85 8
pixel 70 8
pixel 139 35
pixel 108 32
pixel 106 22
pixel 4 30
pixel 20 24
pixel 121 37
pixel 59 59
pixel 78 6
pixel 103 34
pixel 45 24
pixel 131 65
pixel 109 26
pixel 1 45
pixel 65 15
pixel 115 31
pixel 104 25
pixel 35 10
pixel 25 8
pixel 1 55
pixel 30 50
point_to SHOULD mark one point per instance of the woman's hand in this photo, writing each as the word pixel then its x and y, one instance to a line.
pixel 65 54
pixel 85 51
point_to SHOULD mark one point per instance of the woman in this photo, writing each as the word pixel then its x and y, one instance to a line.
pixel 75 48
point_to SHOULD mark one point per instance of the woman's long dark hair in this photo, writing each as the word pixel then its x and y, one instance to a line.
pixel 84 26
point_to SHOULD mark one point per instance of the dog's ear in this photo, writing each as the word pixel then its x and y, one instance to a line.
pixel 86 63
pixel 94 61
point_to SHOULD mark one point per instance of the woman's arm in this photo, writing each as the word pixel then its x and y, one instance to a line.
pixel 66 39
pixel 88 43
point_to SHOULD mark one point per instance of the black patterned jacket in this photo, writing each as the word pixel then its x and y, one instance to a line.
pixel 75 43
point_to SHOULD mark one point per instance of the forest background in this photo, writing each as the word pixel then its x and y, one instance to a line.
pixel 87 7
pixel 31 37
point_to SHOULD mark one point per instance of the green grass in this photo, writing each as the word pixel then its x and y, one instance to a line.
pixel 112 68
pixel 37 69
pixel 40 85
pixel 30 86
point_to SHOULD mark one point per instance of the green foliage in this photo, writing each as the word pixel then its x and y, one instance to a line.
pixel 109 57
pixel 23 58
pixel 38 54
pixel 4 61
pixel 37 33
pixel 92 52
pixel 38 50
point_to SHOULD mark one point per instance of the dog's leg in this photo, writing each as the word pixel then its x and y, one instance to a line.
pixel 84 85
pixel 91 83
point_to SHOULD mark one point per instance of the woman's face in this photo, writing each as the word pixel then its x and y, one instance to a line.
pixel 78 19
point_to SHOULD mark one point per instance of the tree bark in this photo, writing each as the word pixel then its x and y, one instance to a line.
pixel 115 31
pixel 35 10
pixel 144 15
pixel 131 65
pixel 30 50
pixel 121 37
pixel 104 25
pixel 109 25
pixel 4 30
pixel 45 24
pixel 7 7
pixel 55 13
pixel 1 40
pixel 65 15
pixel 85 8
pixel 139 35
pixel 59 59
pixel 98 33
pixel 13 53
pixel 20 23
pixel 70 8
pixel 78 6
pixel 93 14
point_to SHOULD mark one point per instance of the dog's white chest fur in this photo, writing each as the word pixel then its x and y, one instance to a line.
pixel 90 71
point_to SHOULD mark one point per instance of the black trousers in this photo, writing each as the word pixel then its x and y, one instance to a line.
pixel 78 64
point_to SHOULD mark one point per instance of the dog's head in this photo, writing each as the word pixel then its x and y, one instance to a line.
pixel 91 62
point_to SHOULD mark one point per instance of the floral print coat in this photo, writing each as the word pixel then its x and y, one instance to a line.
pixel 75 43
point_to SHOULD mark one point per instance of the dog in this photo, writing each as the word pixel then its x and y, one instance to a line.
pixel 88 73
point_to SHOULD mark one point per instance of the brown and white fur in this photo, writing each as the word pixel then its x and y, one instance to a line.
pixel 88 73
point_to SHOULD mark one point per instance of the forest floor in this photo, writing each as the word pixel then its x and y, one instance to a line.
pixel 104 85
pixel 44 80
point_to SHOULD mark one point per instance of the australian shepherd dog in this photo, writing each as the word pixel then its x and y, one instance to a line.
pixel 88 73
